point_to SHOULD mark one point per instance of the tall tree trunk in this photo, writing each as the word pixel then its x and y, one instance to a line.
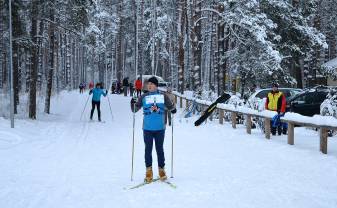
pixel 51 60
pixel 181 32
pixel 119 58
pixel 196 44
pixel 16 75
pixel 34 61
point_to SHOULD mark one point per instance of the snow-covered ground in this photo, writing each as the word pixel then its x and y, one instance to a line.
pixel 60 161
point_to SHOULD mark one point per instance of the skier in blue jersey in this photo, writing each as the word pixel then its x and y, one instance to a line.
pixel 154 104
pixel 97 92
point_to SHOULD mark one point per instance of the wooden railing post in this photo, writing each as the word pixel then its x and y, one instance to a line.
pixel 291 127
pixel 234 115
pixel 323 140
pixel 267 127
pixel 181 102
pixel 249 124
pixel 186 103
pixel 175 99
pixel 221 116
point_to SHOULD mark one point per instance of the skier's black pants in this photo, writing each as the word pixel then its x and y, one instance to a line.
pixel 139 93
pixel 98 104
pixel 158 136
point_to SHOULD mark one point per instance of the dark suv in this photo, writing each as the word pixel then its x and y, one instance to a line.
pixel 308 102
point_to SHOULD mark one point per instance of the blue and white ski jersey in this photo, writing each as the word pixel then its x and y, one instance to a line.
pixel 154 121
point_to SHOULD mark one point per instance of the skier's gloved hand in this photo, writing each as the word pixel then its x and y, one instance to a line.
pixel 133 100
pixel 106 91
pixel 154 108
pixel 174 111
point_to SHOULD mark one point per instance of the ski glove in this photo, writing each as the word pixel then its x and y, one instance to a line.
pixel 106 91
pixel 133 100
pixel 174 111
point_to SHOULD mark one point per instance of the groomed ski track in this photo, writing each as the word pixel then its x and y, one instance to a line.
pixel 59 161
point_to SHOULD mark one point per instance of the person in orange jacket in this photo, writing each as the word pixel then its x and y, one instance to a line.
pixel 138 86
pixel 276 101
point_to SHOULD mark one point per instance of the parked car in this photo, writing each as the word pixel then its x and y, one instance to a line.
pixel 161 81
pixel 329 105
pixel 308 102
pixel 258 99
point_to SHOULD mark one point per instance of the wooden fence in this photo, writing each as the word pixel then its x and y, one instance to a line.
pixel 323 129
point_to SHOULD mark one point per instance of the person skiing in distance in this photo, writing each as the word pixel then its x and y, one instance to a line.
pixel 139 86
pixel 276 101
pixel 81 88
pixel 154 104
pixel 97 92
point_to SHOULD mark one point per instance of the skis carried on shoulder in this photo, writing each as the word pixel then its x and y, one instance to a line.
pixel 211 108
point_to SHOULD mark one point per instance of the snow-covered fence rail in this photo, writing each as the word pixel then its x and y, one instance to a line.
pixel 323 123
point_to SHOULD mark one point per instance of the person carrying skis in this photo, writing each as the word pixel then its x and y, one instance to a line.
pixel 96 99
pixel 154 104
pixel 168 115
pixel 138 86
pixel 276 101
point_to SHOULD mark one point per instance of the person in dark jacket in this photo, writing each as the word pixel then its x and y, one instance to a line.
pixel 97 92
pixel 154 104
pixel 125 85
pixel 132 89
pixel 276 101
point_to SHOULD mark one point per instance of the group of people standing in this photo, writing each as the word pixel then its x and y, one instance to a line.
pixel 126 87
pixel 130 87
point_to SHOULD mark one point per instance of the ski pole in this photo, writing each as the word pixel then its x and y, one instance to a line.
pixel 84 107
pixel 133 140
pixel 172 119
pixel 110 108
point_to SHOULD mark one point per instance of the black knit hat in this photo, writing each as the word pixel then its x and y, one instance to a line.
pixel 275 85
pixel 153 80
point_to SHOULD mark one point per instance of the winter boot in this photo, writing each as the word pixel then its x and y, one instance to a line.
pixel 279 130
pixel 162 174
pixel 148 175
pixel 273 131
pixel 284 131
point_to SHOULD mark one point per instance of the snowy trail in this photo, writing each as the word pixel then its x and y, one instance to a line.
pixel 60 161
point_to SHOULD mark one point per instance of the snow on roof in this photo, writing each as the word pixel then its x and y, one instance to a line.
pixel 332 64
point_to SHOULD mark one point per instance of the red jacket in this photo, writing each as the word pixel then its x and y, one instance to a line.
pixel 91 85
pixel 138 85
